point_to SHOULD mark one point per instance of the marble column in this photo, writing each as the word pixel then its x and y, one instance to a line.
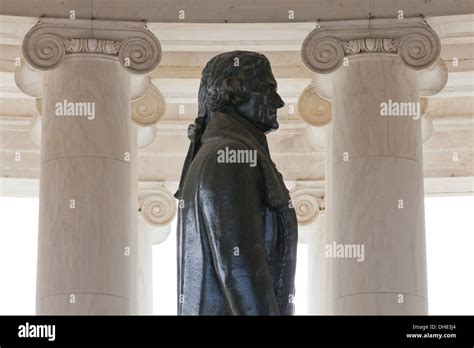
pixel 87 194
pixel 146 112
pixel 316 112
pixel 157 209
pixel 309 203
pixel 376 165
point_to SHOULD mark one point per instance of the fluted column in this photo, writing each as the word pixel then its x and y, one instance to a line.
pixel 88 151
pixel 375 169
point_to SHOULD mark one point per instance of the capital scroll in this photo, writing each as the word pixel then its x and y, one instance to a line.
pixel 414 41
pixel 51 40
pixel 159 207
pixel 308 202
pixel 150 108
pixel 313 109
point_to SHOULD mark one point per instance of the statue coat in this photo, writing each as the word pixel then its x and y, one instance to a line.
pixel 237 230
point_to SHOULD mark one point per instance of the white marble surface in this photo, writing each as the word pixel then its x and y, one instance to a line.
pixel 358 127
pixel 366 200
pixel 85 304
pixel 319 268
pixel 381 304
pixel 88 249
pixel 383 165
pixel 99 80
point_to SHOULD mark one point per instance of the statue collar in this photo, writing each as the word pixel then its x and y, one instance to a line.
pixel 224 126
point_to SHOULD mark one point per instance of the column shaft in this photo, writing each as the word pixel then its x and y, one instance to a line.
pixel 377 193
pixel 144 279
pixel 319 268
pixel 85 190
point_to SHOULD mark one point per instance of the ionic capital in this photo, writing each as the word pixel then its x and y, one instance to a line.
pixel 51 40
pixel 308 202
pixel 147 111
pixel 157 206
pixel 313 109
pixel 416 44
pixel 150 108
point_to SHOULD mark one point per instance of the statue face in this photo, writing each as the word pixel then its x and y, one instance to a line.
pixel 261 107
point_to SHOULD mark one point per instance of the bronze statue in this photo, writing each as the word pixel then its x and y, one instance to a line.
pixel 237 230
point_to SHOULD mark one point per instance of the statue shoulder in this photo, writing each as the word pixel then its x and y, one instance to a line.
pixel 229 159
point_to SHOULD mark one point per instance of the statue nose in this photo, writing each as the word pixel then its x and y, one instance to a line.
pixel 279 103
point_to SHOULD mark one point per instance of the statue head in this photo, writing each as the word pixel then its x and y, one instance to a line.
pixel 241 82
pixel 238 83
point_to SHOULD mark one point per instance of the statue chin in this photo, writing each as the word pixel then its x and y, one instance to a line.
pixel 270 124
pixel 266 128
pixel 275 126
pixel 269 130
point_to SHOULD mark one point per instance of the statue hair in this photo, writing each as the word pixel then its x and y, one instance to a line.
pixel 226 80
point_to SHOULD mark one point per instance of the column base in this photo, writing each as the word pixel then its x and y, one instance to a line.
pixel 386 303
pixel 84 304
